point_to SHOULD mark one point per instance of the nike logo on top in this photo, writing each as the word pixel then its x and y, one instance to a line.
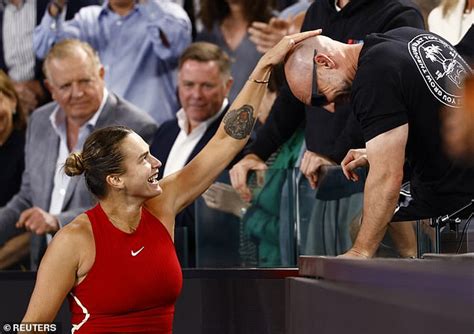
pixel 138 251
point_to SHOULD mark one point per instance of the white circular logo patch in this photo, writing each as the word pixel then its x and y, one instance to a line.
pixel 441 67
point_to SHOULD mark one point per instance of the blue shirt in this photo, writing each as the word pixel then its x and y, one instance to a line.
pixel 139 51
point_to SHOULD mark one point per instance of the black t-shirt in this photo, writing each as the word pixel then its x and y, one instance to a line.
pixel 411 76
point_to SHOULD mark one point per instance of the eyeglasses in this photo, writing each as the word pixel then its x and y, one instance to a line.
pixel 317 100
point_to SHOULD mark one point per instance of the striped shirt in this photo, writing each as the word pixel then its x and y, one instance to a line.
pixel 18 26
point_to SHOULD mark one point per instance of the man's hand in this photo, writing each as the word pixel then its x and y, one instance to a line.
pixel 354 254
pixel 37 221
pixel 267 35
pixel 223 197
pixel 277 54
pixel 238 174
pixel 311 166
pixel 354 159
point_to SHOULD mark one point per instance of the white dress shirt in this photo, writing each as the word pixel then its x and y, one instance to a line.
pixel 61 180
pixel 185 142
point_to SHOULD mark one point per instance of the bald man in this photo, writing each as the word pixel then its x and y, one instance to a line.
pixel 397 84
pixel 328 136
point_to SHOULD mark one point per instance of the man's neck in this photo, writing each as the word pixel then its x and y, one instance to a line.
pixel 352 55
pixel 342 3
pixel 122 9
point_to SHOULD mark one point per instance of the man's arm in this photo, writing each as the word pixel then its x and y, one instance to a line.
pixel 168 27
pixel 385 154
pixel 54 28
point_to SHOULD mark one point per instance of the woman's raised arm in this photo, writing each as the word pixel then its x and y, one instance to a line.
pixel 183 187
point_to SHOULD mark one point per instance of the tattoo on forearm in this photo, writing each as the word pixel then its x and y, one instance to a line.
pixel 239 122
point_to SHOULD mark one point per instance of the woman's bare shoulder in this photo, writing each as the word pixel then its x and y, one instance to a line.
pixel 77 231
pixel 70 245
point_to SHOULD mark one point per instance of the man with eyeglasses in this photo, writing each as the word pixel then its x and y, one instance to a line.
pixel 328 136
pixel 399 84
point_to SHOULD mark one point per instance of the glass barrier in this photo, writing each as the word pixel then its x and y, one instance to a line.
pixel 328 216
pixel 285 219
pixel 232 233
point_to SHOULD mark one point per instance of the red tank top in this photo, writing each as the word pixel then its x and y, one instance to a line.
pixel 133 283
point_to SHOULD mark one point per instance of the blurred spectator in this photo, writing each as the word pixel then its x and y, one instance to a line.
pixel 18 19
pixel 451 19
pixel 266 35
pixel 12 163
pixel 204 82
pixel 139 43
pixel 225 24
pixel 48 199
pixel 12 139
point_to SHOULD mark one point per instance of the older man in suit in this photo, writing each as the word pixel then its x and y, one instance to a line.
pixel 204 82
pixel 48 199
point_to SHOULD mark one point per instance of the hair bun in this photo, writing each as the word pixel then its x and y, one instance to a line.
pixel 74 164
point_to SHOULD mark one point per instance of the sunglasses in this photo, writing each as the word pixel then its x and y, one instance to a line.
pixel 317 100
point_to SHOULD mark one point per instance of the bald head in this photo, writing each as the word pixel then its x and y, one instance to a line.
pixel 333 63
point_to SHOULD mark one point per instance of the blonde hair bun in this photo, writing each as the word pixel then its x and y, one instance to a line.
pixel 74 164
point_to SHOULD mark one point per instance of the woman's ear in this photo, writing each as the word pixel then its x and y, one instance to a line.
pixel 115 181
